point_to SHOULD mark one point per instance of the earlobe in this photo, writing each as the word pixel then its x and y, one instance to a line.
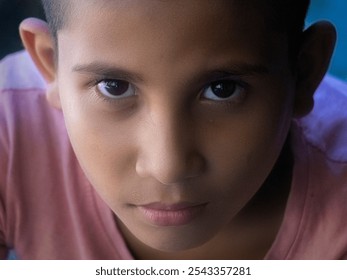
pixel 52 95
pixel 313 62
pixel 39 43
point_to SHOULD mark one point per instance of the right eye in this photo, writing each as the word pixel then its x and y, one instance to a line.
pixel 115 89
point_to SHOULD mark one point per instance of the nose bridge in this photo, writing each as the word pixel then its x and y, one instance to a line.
pixel 169 152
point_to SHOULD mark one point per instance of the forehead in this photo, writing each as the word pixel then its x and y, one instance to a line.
pixel 248 13
pixel 170 29
pixel 242 16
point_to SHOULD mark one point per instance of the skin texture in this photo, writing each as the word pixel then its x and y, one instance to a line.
pixel 168 140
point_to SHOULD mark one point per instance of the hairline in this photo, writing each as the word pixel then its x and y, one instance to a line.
pixel 59 14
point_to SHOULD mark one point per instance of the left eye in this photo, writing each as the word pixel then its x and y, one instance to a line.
pixel 223 91
pixel 115 89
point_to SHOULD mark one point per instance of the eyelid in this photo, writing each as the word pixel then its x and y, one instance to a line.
pixel 229 78
pixel 129 91
pixel 236 97
pixel 103 70
pixel 94 81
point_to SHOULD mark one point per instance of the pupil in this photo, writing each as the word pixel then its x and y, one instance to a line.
pixel 223 89
pixel 116 87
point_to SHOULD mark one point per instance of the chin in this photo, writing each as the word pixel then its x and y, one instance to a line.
pixel 174 240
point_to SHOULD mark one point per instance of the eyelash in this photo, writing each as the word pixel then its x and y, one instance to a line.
pixel 229 103
pixel 237 84
pixel 92 85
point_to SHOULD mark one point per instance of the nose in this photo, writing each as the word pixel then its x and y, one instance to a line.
pixel 169 150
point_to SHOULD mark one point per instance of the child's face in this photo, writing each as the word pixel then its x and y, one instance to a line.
pixel 177 111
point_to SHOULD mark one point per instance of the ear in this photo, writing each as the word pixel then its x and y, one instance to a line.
pixel 313 61
pixel 39 43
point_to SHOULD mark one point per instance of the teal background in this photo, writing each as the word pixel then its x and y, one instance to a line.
pixel 336 12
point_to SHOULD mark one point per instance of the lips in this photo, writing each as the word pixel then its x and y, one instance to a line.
pixel 179 214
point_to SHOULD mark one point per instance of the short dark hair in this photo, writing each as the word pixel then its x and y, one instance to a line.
pixel 56 12
pixel 286 16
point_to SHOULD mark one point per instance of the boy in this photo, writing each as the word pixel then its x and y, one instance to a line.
pixel 186 118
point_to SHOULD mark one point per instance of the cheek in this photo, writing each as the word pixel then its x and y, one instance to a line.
pixel 245 150
pixel 104 147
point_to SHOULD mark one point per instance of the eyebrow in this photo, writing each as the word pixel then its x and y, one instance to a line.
pixel 110 71
pixel 237 70
pixel 105 70
pixel 244 69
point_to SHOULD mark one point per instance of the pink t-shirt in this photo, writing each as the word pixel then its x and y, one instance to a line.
pixel 49 210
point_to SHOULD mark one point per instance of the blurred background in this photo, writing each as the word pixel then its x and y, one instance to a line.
pixel 334 11
pixel 13 11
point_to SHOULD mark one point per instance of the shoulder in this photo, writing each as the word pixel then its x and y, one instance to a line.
pixel 22 99
pixel 325 128
pixel 17 71
pixel 20 85
pixel 319 188
pixel 26 118
pixel 321 139
pixel 28 132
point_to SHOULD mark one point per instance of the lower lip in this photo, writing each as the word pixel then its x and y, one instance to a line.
pixel 177 217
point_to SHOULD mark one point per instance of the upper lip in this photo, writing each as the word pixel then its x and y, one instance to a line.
pixel 170 207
